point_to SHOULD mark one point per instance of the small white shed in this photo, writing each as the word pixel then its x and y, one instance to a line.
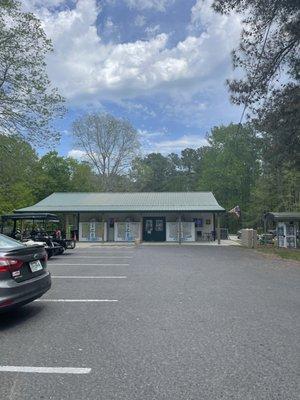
pixel 287 227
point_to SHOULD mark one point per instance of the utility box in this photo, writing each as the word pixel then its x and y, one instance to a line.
pixel 249 238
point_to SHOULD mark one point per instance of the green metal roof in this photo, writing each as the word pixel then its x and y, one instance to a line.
pixel 135 202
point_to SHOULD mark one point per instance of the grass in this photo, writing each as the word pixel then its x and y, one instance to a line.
pixel 288 254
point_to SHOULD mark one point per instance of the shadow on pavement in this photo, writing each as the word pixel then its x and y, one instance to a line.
pixel 19 316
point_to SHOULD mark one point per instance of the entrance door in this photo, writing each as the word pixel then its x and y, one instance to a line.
pixel 154 229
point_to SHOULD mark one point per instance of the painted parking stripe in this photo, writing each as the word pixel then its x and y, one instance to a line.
pixel 76 301
pixel 86 265
pixel 120 248
pixel 86 277
pixel 96 257
pixel 45 370
pixel 104 251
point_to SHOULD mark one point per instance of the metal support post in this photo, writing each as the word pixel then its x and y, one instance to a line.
pixel 218 229
pixel 179 230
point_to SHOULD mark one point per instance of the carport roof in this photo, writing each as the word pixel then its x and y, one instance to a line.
pixel 125 202
pixel 283 216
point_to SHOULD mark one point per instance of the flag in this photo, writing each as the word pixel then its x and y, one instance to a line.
pixel 235 210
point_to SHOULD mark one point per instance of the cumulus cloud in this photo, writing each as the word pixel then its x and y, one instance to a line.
pixel 87 70
pixel 77 154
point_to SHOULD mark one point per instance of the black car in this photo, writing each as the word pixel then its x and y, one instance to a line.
pixel 23 273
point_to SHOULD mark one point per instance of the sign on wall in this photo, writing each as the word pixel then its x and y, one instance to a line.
pixel 92 231
pixel 172 231
pixel 127 231
pixel 187 231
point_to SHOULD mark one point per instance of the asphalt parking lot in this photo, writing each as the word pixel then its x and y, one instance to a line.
pixel 157 322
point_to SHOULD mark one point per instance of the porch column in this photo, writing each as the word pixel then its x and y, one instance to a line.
pixel 78 218
pixel 141 229
pixel 179 230
pixel 66 228
pixel 102 217
pixel 218 229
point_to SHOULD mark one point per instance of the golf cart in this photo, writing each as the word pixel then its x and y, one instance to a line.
pixel 32 227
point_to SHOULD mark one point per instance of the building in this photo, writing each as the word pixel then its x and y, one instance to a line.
pixel 287 227
pixel 120 217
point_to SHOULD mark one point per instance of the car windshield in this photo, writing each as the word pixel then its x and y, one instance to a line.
pixel 6 242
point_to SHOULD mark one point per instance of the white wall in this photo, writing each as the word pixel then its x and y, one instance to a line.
pixel 137 218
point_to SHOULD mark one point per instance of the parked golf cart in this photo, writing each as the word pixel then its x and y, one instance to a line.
pixel 32 228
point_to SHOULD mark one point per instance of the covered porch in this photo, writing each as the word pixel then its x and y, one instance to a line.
pixel 128 217
pixel 142 227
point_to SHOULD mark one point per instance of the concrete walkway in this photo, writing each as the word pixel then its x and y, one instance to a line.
pixel 82 245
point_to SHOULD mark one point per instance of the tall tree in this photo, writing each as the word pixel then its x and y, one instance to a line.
pixel 151 173
pixel 82 178
pixel 269 57
pixel 230 166
pixel 27 101
pixel 269 45
pixel 110 145
pixel 279 123
pixel 55 174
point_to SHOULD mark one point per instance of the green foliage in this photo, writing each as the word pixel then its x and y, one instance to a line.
pixel 18 171
pixel 156 172
pixel 279 122
pixel 151 173
pixel 230 166
pixel 26 179
pixel 235 166
pixel 27 101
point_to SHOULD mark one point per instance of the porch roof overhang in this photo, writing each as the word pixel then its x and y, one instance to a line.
pixel 127 202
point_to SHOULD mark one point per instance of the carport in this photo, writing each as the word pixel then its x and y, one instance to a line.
pixel 287 227
pixel 125 217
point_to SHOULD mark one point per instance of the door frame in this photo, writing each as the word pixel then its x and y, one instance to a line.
pixel 146 239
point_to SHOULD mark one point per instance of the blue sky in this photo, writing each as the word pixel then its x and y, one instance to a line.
pixel 161 64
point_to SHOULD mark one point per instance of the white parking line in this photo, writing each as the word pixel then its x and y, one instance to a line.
pixel 104 254
pixel 76 301
pixel 104 251
pixel 86 277
pixel 45 370
pixel 95 257
pixel 86 265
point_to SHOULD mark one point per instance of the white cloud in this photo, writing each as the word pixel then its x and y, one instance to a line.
pixel 176 145
pixel 152 30
pixel 157 5
pixel 77 154
pixel 160 141
pixel 87 70
pixel 144 133
pixel 140 20
pixel 139 108
pixel 33 4
pixel 109 23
